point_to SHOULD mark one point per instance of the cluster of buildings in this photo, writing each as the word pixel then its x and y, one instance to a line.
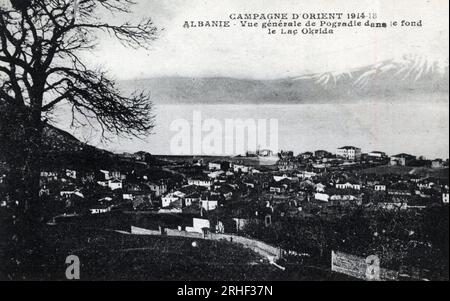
pixel 295 185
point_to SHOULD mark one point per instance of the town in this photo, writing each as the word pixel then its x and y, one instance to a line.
pixel 302 206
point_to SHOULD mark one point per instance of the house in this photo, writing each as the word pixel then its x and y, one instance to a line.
pixel 127 196
pixel 380 187
pixel 115 184
pixel 343 198
pixel 306 175
pixel 214 166
pixel 241 168
pixel 240 223
pixel 349 152
pixel 377 155
pixel 100 209
pixel 287 165
pixel 198 225
pixel 445 197
pixel 49 175
pixel 226 191
pixel 71 173
pixel 348 186
pixel 401 159
pixel 393 206
pixel 209 202
pixel 322 197
pixel 104 175
pixel 115 174
pixel 320 187
pixel 281 178
pixel 69 193
pixel 203 182
pixel 281 186
pixel 171 198
pixel 191 199
pixel 438 163
pixel 158 189
pixel 215 174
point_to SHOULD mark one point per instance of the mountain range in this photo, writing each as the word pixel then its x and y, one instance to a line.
pixel 402 79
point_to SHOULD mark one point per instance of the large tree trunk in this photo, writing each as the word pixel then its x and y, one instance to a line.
pixel 21 147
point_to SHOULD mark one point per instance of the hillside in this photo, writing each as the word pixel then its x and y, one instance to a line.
pixel 442 173
pixel 107 255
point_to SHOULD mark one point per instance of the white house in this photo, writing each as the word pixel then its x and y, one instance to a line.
pixel 322 197
pixel 100 210
pixel 401 159
pixel 275 189
pixel 200 182
pixel 214 166
pixel 209 202
pixel 71 173
pixel 377 154
pixel 70 193
pixel 190 199
pixel 49 175
pixel 127 196
pixel 209 205
pixel 198 224
pixel 320 187
pixel 343 198
pixel 380 187
pixel 348 186
pixel 349 152
pixel 115 184
pixel 445 198
pixel 158 188
pixel 171 198
pixel 215 174
pixel 283 177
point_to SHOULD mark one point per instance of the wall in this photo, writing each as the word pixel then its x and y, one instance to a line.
pixel 263 249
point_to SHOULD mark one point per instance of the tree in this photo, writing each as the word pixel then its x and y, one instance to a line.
pixel 41 68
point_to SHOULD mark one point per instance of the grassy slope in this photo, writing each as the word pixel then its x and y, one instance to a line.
pixel 114 256
pixel 403 170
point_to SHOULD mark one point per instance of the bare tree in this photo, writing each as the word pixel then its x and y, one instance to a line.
pixel 41 68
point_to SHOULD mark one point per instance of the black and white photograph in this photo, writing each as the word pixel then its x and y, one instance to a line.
pixel 225 141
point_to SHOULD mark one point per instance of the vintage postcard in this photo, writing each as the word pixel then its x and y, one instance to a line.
pixel 232 140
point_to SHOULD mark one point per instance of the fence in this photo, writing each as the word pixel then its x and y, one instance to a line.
pixel 265 250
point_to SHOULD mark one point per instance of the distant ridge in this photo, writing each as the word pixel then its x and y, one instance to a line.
pixel 399 79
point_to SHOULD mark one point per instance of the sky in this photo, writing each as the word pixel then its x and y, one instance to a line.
pixel 252 53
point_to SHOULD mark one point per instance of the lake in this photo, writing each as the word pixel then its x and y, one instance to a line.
pixel 417 128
